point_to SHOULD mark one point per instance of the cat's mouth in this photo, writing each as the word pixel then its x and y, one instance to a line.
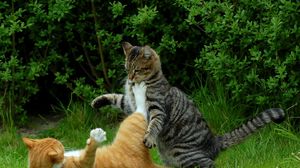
pixel 132 82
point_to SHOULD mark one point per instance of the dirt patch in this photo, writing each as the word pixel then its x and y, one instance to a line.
pixel 39 123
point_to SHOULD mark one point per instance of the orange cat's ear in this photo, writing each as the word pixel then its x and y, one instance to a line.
pixel 28 142
pixel 126 47
pixel 55 156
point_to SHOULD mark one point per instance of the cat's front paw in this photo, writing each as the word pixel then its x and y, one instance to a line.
pixel 98 134
pixel 100 101
pixel 149 141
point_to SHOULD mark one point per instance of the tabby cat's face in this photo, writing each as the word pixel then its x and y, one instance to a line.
pixel 44 153
pixel 141 62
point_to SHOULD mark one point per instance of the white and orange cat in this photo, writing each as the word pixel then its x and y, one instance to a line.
pixel 126 151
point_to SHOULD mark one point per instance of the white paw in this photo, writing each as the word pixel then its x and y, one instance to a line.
pixel 98 134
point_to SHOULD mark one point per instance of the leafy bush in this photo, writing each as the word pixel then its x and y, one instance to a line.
pixel 77 44
pixel 252 48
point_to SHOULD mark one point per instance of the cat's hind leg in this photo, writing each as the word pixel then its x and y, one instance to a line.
pixel 191 159
pixel 206 163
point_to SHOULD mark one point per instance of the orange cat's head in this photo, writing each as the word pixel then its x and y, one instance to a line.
pixel 44 153
pixel 141 63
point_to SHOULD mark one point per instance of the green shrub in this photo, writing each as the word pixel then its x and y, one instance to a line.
pixel 78 42
pixel 252 48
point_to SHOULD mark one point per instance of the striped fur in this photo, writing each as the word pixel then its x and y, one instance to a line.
pixel 175 125
pixel 237 135
pixel 126 151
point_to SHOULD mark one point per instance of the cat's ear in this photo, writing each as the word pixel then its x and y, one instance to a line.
pixel 126 47
pixel 55 156
pixel 28 142
pixel 147 52
pixel 52 154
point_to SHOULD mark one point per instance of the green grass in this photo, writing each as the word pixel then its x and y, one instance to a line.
pixel 271 147
pixel 13 152
pixel 265 149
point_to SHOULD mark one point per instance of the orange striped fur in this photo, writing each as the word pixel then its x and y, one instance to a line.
pixel 126 151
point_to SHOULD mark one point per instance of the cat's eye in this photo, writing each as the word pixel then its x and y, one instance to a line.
pixel 141 70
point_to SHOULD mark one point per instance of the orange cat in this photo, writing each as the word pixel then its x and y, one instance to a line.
pixel 127 150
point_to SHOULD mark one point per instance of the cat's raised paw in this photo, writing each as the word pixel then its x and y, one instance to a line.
pixel 100 101
pixel 98 134
pixel 149 141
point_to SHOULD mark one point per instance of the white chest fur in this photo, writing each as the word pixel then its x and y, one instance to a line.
pixel 129 95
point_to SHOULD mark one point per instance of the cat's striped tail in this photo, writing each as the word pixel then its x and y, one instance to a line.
pixel 237 135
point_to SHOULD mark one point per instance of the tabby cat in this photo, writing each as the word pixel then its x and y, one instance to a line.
pixel 175 124
pixel 127 150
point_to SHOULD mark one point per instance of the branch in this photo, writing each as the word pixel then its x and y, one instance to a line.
pixel 100 50
pixel 92 67
pixel 296 104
